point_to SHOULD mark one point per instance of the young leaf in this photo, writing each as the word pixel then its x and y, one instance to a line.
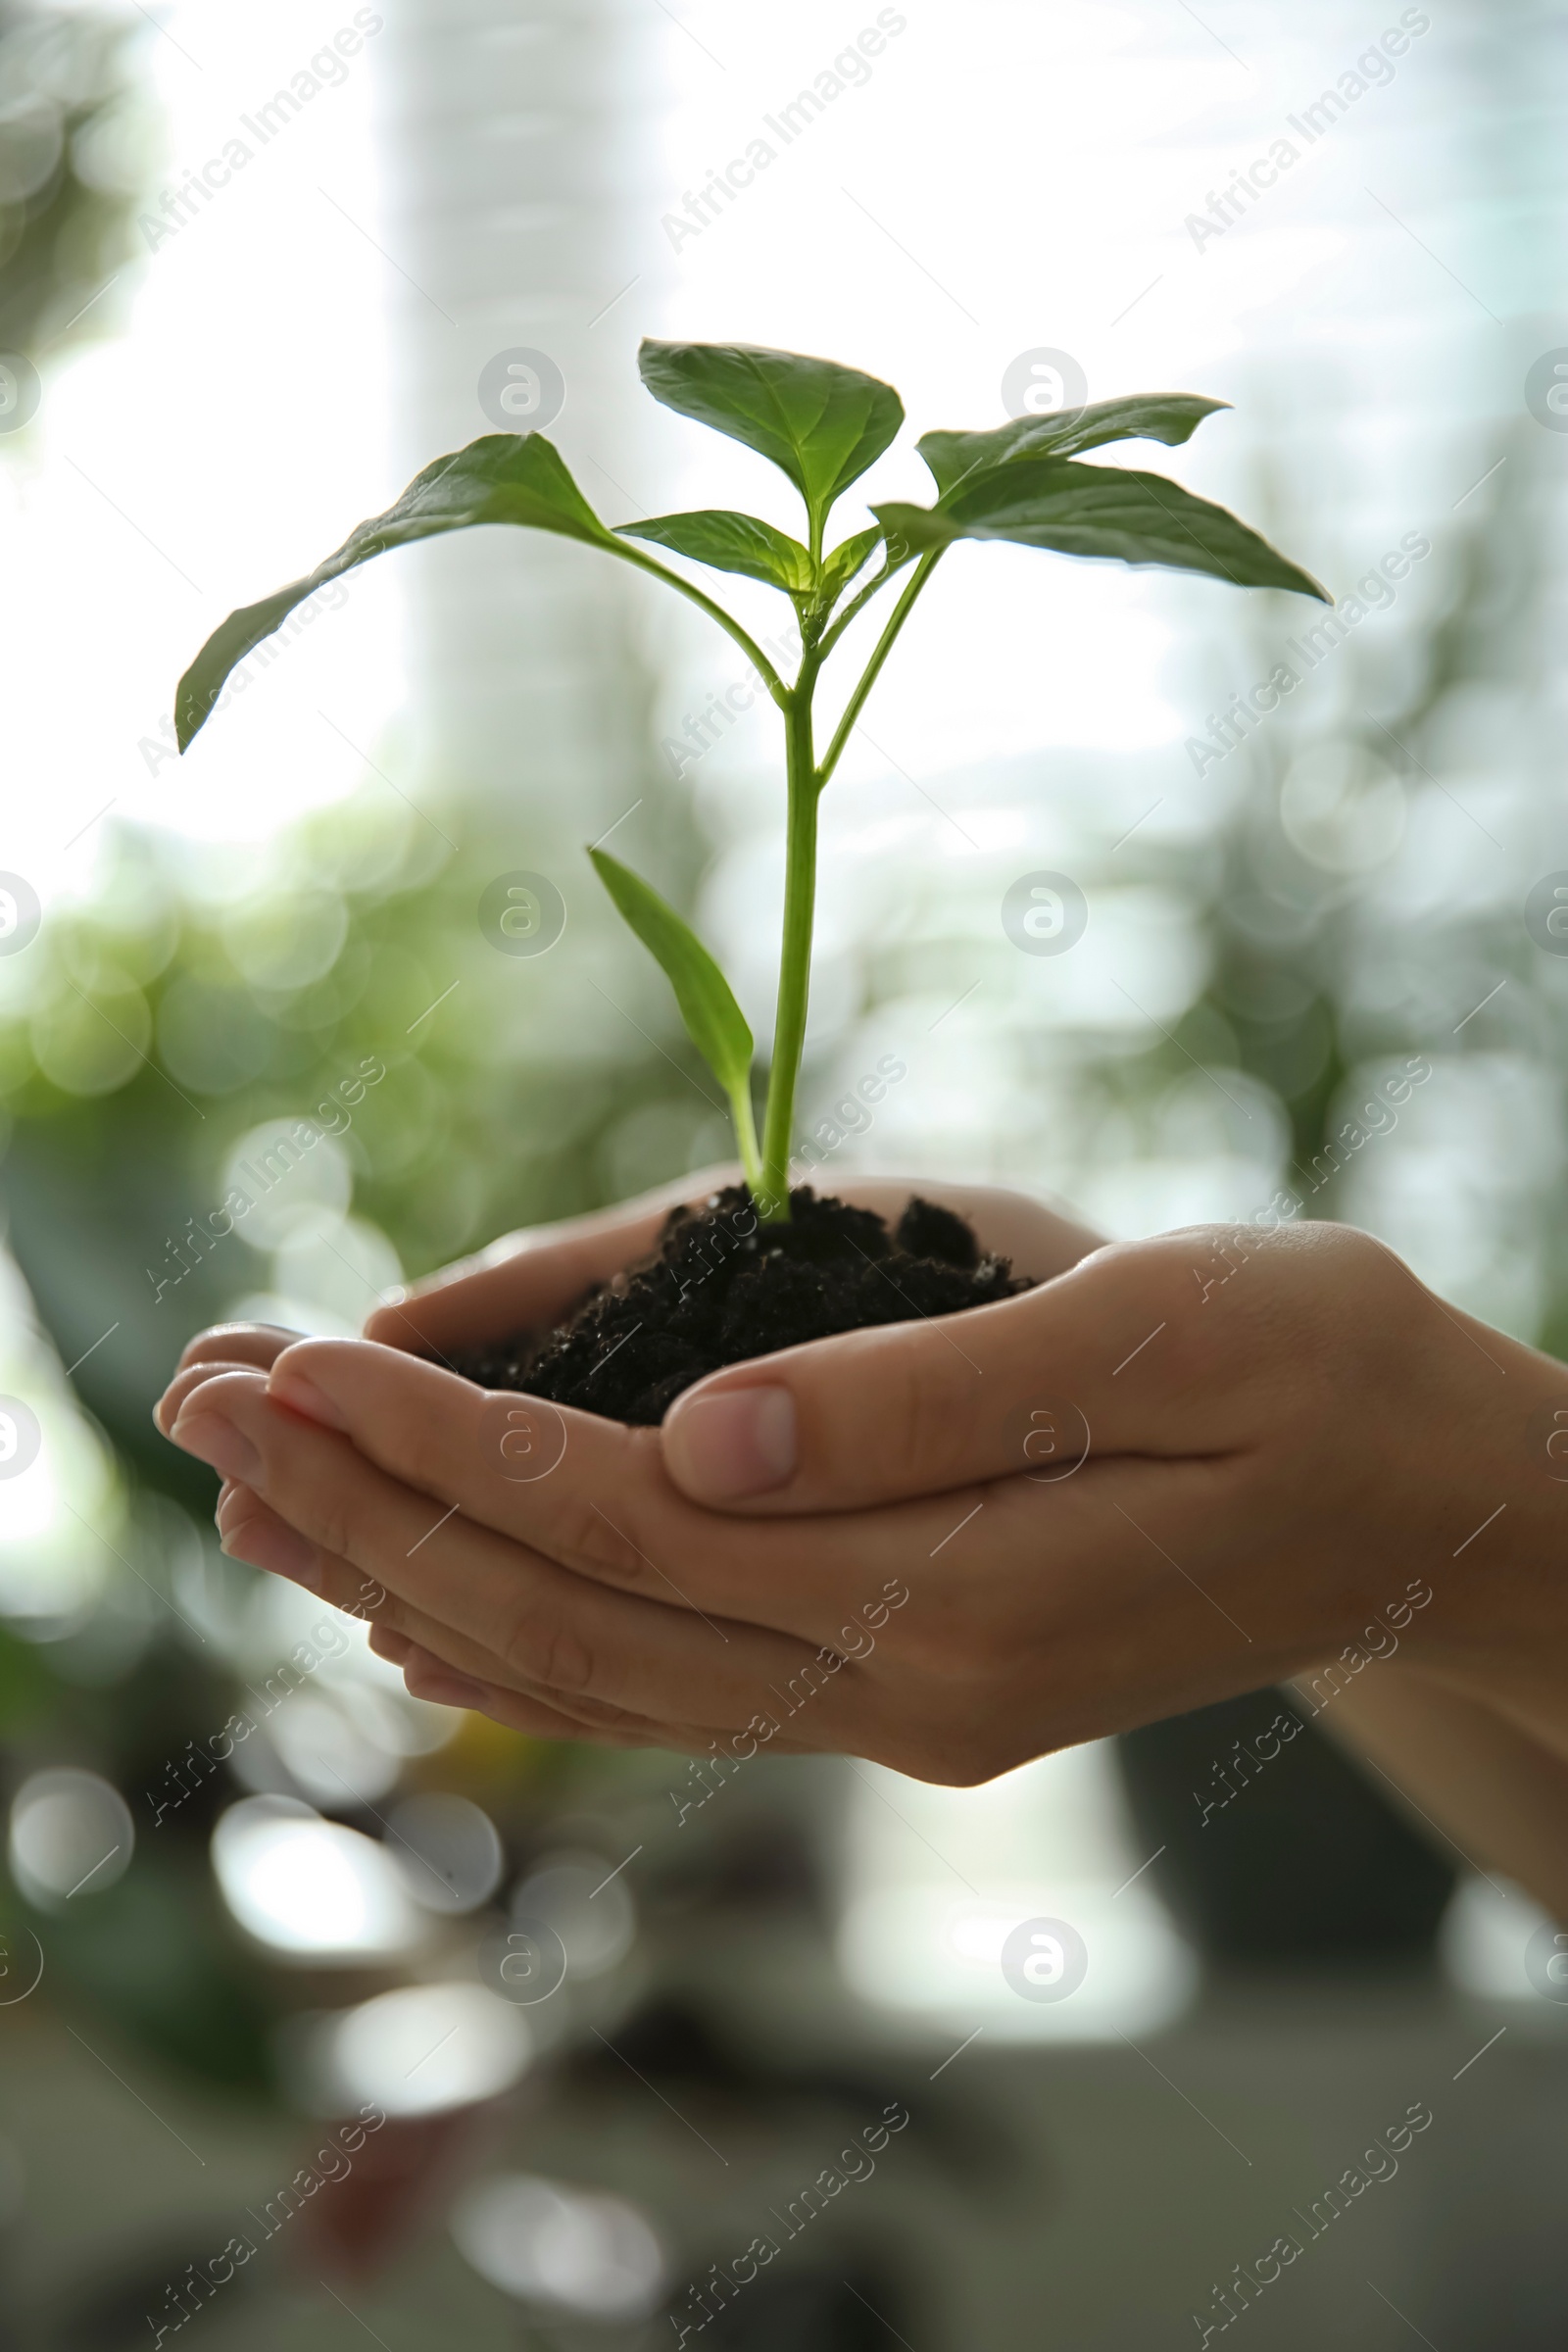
pixel 823 424
pixel 714 1022
pixel 842 563
pixel 505 477
pixel 730 542
pixel 1168 417
pixel 1103 510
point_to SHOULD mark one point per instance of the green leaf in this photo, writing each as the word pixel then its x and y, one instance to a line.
pixel 1103 510
pixel 505 477
pixel 823 424
pixel 1168 417
pixel 840 567
pixel 730 542
pixel 714 1022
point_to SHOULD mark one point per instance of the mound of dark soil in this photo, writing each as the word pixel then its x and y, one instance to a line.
pixel 723 1287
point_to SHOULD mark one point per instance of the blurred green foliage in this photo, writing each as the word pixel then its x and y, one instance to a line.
pixel 152 1025
pixel 73 141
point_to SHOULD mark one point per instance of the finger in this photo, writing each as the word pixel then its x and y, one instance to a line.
pixel 248 1531
pixel 254 1532
pixel 166 1412
pixel 238 1343
pixel 428 1678
pixel 431 1678
pixel 528 1279
pixel 599 1504
pixel 224 1346
pixel 464 1672
pixel 564 1633
pixel 522 1714
pixel 1117 1355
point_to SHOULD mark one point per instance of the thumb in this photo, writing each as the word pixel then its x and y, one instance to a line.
pixel 1099 1360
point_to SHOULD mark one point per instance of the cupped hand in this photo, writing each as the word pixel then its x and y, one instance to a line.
pixel 1177 1470
pixel 529 1279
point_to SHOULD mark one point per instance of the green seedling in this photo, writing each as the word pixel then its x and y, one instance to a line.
pixel 822 425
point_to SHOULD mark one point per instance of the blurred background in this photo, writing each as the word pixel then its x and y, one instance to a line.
pixel 255 267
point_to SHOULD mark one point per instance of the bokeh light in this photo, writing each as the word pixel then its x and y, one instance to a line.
pixel 424 2049
pixel 562 2248
pixel 311 1888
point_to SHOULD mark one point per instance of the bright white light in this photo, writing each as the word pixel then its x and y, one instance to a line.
pixel 591 1911
pixel 126 510
pixel 925 1951
pixel 72 1836
pixel 932 1897
pixel 53 1565
pixel 1483 1939
pixel 1142 1195
pixel 311 1887
pixel 426 2047
pixel 574 2248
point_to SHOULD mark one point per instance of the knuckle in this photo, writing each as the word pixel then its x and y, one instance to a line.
pixel 390 1620
pixel 418 1448
pixel 600 1546
pixel 367 1599
pixel 541 1647
pixel 330 1526
pixel 1211 1286
pixel 1366 1264
pixel 927 1419
pixel 611 1547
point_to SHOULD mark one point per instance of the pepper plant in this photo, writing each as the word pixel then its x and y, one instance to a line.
pixel 822 425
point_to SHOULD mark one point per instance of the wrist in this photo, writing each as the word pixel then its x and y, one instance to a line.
pixel 1496 1630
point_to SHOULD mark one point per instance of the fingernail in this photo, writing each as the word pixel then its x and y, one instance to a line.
pixel 738 1443
pixel 166 1411
pixel 302 1395
pixel 269 1544
pixel 213 1439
